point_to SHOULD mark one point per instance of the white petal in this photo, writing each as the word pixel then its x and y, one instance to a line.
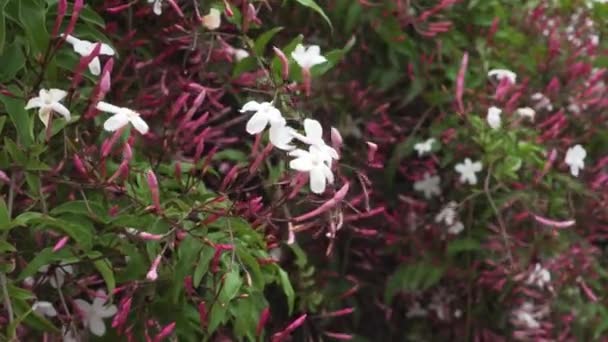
pixel 34 102
pixel 298 153
pixel 106 50
pixel 317 180
pixel 106 107
pixel 97 326
pixel 314 60
pixel 313 129
pixel 257 123
pixel 328 174
pixel 95 66
pixel 107 311
pixel 61 109
pixel 45 115
pixel 57 279
pixel 57 94
pixel 71 39
pixel 83 47
pixel 280 137
pixel 116 122
pixel 304 163
pixel 251 106
pixel 313 50
pixel 83 306
pixel 158 7
pixel 140 125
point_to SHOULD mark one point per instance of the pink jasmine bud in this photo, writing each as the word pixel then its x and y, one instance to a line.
pixel 189 286
pixel 290 328
pixel 113 211
pixel 338 336
pixel 227 9
pixel 107 145
pixel 262 322
pixel 338 197
pixel 219 249
pixel 202 314
pixel 284 62
pixel 230 176
pixel 371 151
pixel 258 160
pixel 153 185
pixel 307 79
pixel 493 29
pixel 123 312
pixel 83 65
pixel 79 165
pixel 554 223
pixel 176 8
pixel 106 81
pixel 122 171
pixel 127 152
pixel 339 313
pixel 336 138
pixel 152 274
pixel 460 82
pixel 177 172
pixel 61 243
pixel 165 332
pixel 78 5
pixel 62 7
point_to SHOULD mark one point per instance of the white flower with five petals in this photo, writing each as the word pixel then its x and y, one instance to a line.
pixel 122 116
pixel 315 162
pixel 468 171
pixel 424 147
pixel 540 276
pixel 157 7
pixel 94 313
pixel 266 113
pixel 48 101
pixel 494 117
pixel 429 186
pixel 499 74
pixel 314 137
pixel 447 214
pixel 575 158
pixel 58 277
pixel 44 308
pixel 308 57
pixel 85 47
pixel 526 112
pixel 213 20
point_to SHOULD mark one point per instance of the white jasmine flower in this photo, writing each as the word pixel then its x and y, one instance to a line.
pixel 499 74
pixel 213 20
pixel 58 277
pixel 93 314
pixel 540 276
pixel 526 112
pixel 424 147
pixel 266 113
pixel 525 316
pixel 240 54
pixel 281 137
pixel 157 7
pixel 44 308
pixel 315 162
pixel 543 102
pixel 314 136
pixel 467 171
pixel 85 47
pixel 494 117
pixel 68 335
pixel 308 57
pixel 456 228
pixel 48 101
pixel 447 214
pixel 429 186
pixel 121 117
pixel 575 158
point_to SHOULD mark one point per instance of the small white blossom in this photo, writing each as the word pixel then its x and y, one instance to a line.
pixel 429 186
pixel 499 74
pixel 526 112
pixel 314 136
pixel 540 276
pixel 240 54
pixel 315 162
pixel 447 214
pixel 85 47
pixel 58 277
pixel 575 158
pixel 93 314
pixel 44 308
pixel 542 102
pixel 494 117
pixel 308 57
pixel 267 114
pixel 424 147
pixel 48 102
pixel 213 20
pixel 525 316
pixel 157 7
pixel 122 116
pixel 468 171
pixel 456 228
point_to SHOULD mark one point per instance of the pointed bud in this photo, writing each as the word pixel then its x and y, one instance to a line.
pixel 152 274
pixel 154 191
pixel 62 7
pixel 202 314
pixel 165 332
pixel 284 62
pixel 262 322
pixel 61 243
pixel 336 139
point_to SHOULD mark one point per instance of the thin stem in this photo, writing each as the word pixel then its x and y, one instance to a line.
pixel 501 223
pixel 7 299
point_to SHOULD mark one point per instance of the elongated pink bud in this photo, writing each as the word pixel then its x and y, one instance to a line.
pixel 336 139
pixel 262 322
pixel 338 313
pixel 176 8
pixel 61 243
pixel 554 223
pixel 106 80
pixel 230 176
pixel 78 5
pixel 83 65
pixel 284 62
pixel 4 178
pixel 202 314
pixel 307 79
pixel 152 273
pixel 587 290
pixel 227 9
pixel 79 165
pixel 62 7
pixel 371 151
pixel 154 191
pixel 219 249
pixel 280 336
pixel 460 82
pixel 165 332
pixel 338 197
pixel 123 312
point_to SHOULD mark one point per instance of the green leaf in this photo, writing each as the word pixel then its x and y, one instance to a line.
pixel 260 44
pixel 463 245
pixel 5 220
pixel 203 265
pixel 6 247
pixel 86 208
pixel 287 289
pixel 416 277
pixel 12 61
pixel 217 316
pixel 2 25
pixel 105 268
pixel 77 227
pixel 232 285
pixel 20 118
pixel 32 15
pixel 89 15
pixel 313 5
pixel 2 121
